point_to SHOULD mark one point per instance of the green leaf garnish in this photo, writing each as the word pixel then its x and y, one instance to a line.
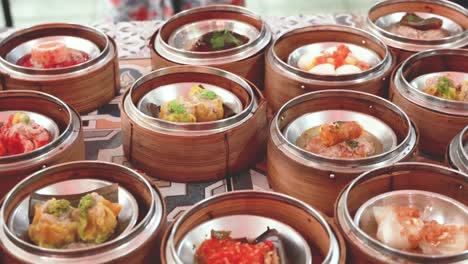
pixel 176 108
pixel 207 94
pixel 445 88
pixel 222 37
pixel 411 17
pixel 352 143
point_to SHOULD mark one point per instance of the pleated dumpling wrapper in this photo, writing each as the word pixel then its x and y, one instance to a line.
pixel 208 105
pixel 54 224
pixel 98 218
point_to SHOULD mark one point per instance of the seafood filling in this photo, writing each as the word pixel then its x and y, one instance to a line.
pixel 341 139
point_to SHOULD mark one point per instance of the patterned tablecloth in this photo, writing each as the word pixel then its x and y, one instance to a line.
pixel 102 127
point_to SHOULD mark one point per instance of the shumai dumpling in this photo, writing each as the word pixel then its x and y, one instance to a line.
pixel 54 224
pixel 178 110
pixel 208 105
pixel 98 218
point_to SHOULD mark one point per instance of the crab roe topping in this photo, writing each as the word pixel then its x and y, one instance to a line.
pixel 409 218
pixel 435 233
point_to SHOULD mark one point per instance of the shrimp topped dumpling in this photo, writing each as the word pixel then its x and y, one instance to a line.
pixel 398 226
pixel 340 139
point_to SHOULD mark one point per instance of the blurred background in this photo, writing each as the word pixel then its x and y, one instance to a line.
pixel 29 12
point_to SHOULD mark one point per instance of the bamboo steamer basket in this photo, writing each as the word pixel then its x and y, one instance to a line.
pixel 85 86
pixel 385 13
pixel 135 246
pixel 402 176
pixel 67 146
pixel 438 120
pixel 317 179
pixel 326 244
pixel 168 44
pixel 198 151
pixel 457 151
pixel 284 81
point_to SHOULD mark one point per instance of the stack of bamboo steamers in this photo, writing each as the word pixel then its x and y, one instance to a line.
pixel 343 116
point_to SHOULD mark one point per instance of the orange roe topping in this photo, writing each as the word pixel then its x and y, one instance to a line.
pixel 407 212
pixel 409 219
pixel 435 233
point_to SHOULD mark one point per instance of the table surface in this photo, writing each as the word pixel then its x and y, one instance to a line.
pixel 102 127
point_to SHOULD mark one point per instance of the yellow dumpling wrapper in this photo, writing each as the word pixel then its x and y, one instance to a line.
pixel 98 218
pixel 178 111
pixel 52 231
pixel 208 105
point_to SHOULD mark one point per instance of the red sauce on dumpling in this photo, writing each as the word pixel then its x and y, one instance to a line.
pixel 80 57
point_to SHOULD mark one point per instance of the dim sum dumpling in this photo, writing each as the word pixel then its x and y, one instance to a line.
pixel 348 69
pixel 443 239
pixel 54 224
pixel 325 68
pixel 306 61
pixel 50 52
pixel 178 110
pixel 98 218
pixel 208 105
pixel 398 227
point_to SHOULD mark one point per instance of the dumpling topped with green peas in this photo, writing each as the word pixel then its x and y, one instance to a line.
pixel 57 224
pixel 201 105
pixel 98 218
pixel 54 224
